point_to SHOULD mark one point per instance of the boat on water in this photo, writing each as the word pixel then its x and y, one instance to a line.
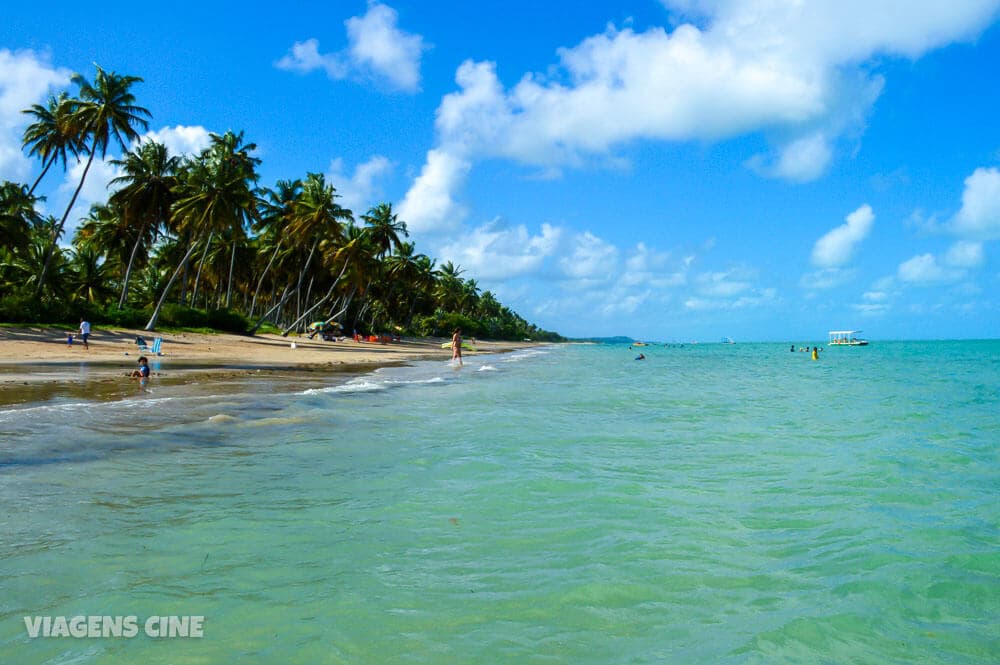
pixel 846 338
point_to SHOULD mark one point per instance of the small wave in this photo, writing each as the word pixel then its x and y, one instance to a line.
pixel 222 418
pixel 433 379
pixel 71 407
pixel 518 356
pixel 352 387
pixel 487 368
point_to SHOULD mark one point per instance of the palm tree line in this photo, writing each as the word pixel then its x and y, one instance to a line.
pixel 198 239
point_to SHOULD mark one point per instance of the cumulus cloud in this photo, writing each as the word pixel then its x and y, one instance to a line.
pixel 753 66
pixel 428 206
pixel 26 78
pixel 496 252
pixel 590 258
pixel 376 48
pixel 836 247
pixel 802 160
pixel 184 140
pixel 800 73
pixel 965 254
pixel 979 217
pixel 924 269
pixel 359 190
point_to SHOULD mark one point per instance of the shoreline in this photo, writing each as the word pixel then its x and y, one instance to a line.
pixel 37 365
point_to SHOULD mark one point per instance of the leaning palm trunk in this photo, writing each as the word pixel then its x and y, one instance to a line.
pixel 41 175
pixel 260 282
pixel 302 275
pixel 281 301
pixel 128 269
pixel 56 232
pixel 309 311
pixel 229 287
pixel 201 264
pixel 166 290
pixel 322 300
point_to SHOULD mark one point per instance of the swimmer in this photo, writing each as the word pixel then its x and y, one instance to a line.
pixel 641 356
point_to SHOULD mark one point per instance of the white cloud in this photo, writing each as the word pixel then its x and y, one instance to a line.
pixel 800 72
pixel 754 66
pixel 728 289
pixel 802 160
pixel 590 258
pixel 96 189
pixel 376 43
pixel 979 217
pixel 924 269
pixel 377 48
pixel 496 252
pixel 429 207
pixel 359 191
pixel 183 140
pixel 826 278
pixel 648 267
pixel 965 254
pixel 836 247
pixel 26 78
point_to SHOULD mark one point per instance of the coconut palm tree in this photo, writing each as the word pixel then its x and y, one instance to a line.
pixel 216 195
pixel 146 193
pixel 87 275
pixel 18 215
pixel 53 134
pixel 105 111
pixel 385 228
pixel 274 213
pixel 449 290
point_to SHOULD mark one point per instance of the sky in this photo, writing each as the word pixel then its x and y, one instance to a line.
pixel 672 170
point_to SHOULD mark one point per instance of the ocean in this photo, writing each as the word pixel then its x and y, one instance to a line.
pixel 713 503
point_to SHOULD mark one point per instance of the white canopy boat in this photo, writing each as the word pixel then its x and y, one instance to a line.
pixel 846 338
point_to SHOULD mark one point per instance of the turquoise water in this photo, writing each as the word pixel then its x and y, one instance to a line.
pixel 711 504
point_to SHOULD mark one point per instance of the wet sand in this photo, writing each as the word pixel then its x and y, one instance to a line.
pixel 36 364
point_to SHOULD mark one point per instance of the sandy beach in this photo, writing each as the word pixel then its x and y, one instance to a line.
pixel 37 362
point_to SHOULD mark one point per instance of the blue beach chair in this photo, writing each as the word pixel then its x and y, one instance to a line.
pixel 157 343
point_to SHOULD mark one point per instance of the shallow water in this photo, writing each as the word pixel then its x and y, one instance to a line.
pixel 713 503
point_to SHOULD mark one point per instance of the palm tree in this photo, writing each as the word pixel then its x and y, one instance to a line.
pixel 275 211
pixel 105 231
pixel 316 216
pixel 17 215
pixel 106 110
pixel 149 176
pixel 87 275
pixel 450 289
pixel 53 133
pixel 385 228
pixel 216 195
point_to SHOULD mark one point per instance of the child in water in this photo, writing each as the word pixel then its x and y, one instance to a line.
pixel 142 373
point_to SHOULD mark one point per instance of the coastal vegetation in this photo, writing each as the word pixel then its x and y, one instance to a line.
pixel 198 241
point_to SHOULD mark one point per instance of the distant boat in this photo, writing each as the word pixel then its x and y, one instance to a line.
pixel 846 338
pixel 728 340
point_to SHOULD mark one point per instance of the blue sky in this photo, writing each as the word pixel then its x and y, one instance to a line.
pixel 675 170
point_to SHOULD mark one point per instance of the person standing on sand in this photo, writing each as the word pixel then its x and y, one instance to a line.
pixel 85 332
pixel 456 345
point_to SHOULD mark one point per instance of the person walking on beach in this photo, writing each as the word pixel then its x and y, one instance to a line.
pixel 456 346
pixel 85 332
